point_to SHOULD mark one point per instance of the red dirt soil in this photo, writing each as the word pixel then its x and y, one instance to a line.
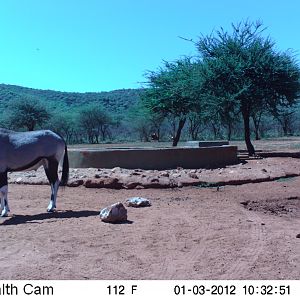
pixel 232 232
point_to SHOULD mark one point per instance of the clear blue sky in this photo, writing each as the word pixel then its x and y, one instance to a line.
pixel 102 45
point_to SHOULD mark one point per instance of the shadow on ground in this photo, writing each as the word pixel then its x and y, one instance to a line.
pixel 68 214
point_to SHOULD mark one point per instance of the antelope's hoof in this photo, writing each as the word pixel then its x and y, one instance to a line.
pixel 51 208
pixel 4 213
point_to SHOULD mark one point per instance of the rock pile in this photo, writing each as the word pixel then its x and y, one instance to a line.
pixel 267 169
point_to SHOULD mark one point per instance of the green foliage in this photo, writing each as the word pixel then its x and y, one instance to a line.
pixel 64 123
pixel 27 113
pixel 243 73
pixel 116 102
pixel 65 109
pixel 95 121
pixel 197 124
pixel 145 121
pixel 173 88
pixel 174 91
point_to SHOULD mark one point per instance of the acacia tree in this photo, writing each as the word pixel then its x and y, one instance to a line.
pixel 196 124
pixel 286 118
pixel 64 124
pixel 221 112
pixel 27 113
pixel 95 122
pixel 172 92
pixel 245 66
pixel 145 121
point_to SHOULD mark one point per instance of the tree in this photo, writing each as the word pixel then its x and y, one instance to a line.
pixel 174 92
pixel 256 116
pixel 221 112
pixel 196 125
pixel 145 121
pixel 27 113
pixel 96 122
pixel 286 118
pixel 156 121
pixel 246 68
pixel 63 123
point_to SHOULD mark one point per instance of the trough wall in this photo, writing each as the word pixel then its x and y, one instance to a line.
pixel 154 158
pixel 205 143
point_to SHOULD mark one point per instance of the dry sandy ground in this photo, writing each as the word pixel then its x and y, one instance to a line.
pixel 234 232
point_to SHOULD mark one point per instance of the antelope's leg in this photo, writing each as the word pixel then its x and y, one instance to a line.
pixel 3 194
pixel 51 172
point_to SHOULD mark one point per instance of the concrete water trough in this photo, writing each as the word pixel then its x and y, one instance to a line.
pixel 196 144
pixel 153 158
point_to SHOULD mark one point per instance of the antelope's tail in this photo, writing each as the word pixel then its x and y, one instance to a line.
pixel 65 168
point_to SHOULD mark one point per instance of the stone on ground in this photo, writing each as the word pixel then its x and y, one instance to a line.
pixel 114 213
pixel 138 202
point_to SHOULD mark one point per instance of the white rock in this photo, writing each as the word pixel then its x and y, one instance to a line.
pixel 137 202
pixel 19 179
pixel 114 213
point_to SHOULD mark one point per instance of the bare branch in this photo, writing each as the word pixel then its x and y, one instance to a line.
pixel 188 40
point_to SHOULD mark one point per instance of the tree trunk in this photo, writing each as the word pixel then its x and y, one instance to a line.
pixel 246 119
pixel 194 127
pixel 194 132
pixel 178 133
pixel 145 135
pixel 30 126
pixel 256 129
pixel 103 130
pixel 285 127
pixel 229 132
pixel 256 123
pixel 214 130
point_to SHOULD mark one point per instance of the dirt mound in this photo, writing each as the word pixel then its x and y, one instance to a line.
pixel 289 207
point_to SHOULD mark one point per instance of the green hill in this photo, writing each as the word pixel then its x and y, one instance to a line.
pixel 116 101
